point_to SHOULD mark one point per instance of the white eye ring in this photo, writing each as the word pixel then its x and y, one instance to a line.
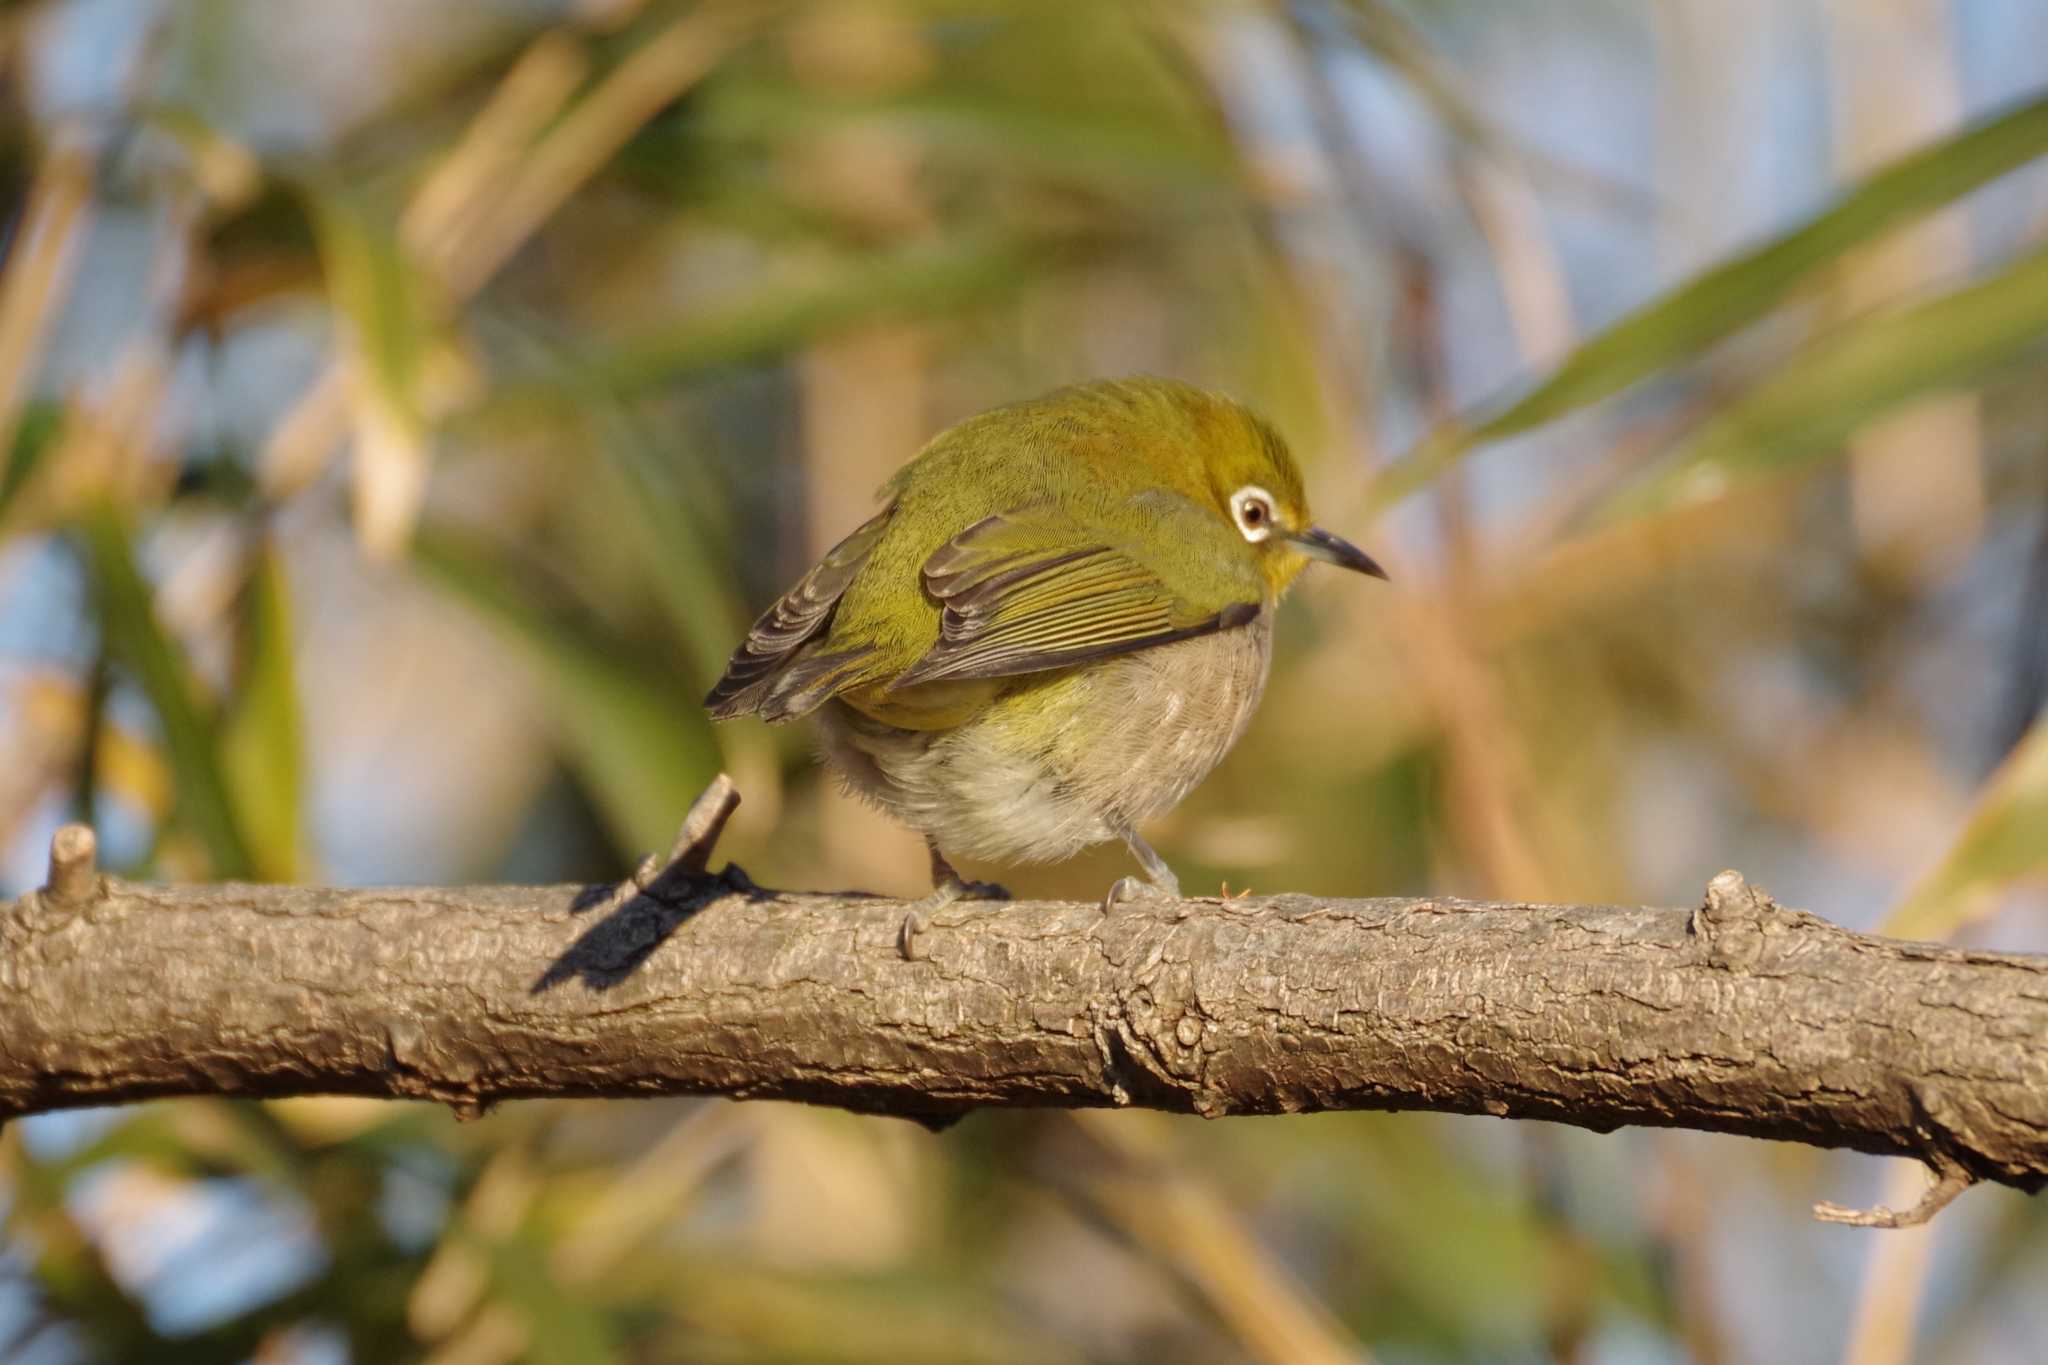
pixel 1252 508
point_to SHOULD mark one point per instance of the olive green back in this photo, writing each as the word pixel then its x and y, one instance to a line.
pixel 1148 464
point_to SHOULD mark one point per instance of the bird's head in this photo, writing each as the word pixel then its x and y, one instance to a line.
pixel 1249 477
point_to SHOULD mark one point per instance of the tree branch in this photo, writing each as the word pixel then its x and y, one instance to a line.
pixel 1737 1017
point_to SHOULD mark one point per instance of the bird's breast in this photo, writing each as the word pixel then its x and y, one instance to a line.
pixel 1150 725
pixel 1058 761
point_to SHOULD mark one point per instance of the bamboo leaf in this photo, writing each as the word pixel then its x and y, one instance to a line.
pixel 1711 306
pixel 1812 404
pixel 640 742
pixel 377 292
pixel 672 517
pixel 387 309
pixel 566 1327
pixel 127 615
pixel 2005 840
pixel 263 742
pixel 228 172
pixel 913 282
pixel 1125 149
pixel 34 436
pixel 673 513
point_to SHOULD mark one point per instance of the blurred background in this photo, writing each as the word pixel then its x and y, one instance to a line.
pixel 404 407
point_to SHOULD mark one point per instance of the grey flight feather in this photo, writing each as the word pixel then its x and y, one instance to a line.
pixel 1019 597
pixel 769 674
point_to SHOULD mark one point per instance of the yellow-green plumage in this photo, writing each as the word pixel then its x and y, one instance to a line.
pixel 1057 625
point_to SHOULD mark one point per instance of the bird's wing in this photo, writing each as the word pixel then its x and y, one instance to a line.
pixel 771 673
pixel 1027 591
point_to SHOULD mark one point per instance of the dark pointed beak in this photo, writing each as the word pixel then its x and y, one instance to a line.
pixel 1317 543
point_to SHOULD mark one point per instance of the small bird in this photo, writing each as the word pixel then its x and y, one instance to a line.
pixel 1057 625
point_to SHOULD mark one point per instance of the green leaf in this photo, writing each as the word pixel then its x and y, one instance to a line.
pixel 264 740
pixel 34 436
pixel 676 534
pixel 1123 148
pixel 1817 400
pixel 383 298
pixel 640 742
pixel 128 618
pixel 228 172
pixel 2004 840
pixel 917 281
pixel 387 309
pixel 1680 324
pixel 673 515
pixel 565 1326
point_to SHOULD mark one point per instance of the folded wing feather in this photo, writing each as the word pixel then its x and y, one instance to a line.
pixel 771 674
pixel 1023 592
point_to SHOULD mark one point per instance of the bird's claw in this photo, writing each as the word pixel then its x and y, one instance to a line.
pixel 1136 888
pixel 919 918
pixel 914 923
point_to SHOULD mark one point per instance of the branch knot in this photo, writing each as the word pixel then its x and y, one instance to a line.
pixel 1737 922
pixel 74 878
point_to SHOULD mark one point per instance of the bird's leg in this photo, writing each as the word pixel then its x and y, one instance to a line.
pixel 1160 881
pixel 947 886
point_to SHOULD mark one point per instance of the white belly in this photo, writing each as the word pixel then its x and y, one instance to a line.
pixel 1065 760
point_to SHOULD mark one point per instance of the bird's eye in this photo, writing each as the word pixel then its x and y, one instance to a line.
pixel 1252 506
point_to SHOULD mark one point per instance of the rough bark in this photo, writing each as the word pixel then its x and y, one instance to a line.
pixel 1737 1017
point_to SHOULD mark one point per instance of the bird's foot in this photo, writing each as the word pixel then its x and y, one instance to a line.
pixel 1125 889
pixel 954 888
pixel 975 891
pixel 1156 885
pixel 1159 883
